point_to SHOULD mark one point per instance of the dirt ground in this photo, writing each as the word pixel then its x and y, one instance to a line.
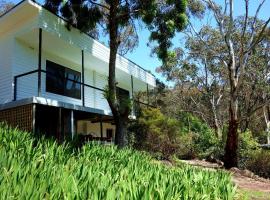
pixel 249 185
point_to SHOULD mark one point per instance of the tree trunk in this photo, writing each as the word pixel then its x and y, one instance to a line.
pixel 218 130
pixel 266 112
pixel 246 125
pixel 268 132
pixel 230 157
pixel 114 102
pixel 120 132
pixel 216 122
pixel 214 105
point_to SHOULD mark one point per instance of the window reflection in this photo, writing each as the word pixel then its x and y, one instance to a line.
pixel 62 80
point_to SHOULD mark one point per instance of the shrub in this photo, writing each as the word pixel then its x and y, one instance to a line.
pixel 156 133
pixel 204 141
pixel 187 136
pixel 259 163
pixel 248 146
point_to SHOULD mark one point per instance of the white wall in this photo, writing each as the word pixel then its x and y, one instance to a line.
pixel 22 58
pixel 6 44
pixel 8 53
pixel 26 60
pixel 56 26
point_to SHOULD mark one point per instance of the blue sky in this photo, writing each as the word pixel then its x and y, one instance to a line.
pixel 141 55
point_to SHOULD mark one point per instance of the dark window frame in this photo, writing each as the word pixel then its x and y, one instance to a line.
pixel 109 133
pixel 122 93
pixel 57 80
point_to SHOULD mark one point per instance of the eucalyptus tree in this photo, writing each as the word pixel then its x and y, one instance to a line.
pixel 199 81
pixel 234 56
pixel 118 18
pixel 238 51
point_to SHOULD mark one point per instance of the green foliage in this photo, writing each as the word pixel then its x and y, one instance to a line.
pixel 123 103
pixel 186 136
pixel 248 146
pixel 196 8
pixel 259 163
pixel 155 133
pixel 162 19
pixel 204 141
pixel 43 169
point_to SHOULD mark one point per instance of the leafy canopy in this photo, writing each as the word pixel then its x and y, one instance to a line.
pixel 163 18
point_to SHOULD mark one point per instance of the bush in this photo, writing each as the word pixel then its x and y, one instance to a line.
pixel 259 163
pixel 204 141
pixel 187 137
pixel 155 133
pixel 248 146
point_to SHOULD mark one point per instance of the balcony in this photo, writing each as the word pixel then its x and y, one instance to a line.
pixel 33 84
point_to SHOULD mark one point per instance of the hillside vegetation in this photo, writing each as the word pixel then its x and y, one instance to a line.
pixel 43 169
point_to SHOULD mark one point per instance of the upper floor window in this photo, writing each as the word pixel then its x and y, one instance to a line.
pixel 122 94
pixel 62 80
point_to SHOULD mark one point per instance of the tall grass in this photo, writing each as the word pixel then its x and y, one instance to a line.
pixel 31 169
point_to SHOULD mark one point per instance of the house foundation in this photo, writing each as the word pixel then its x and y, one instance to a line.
pixel 20 117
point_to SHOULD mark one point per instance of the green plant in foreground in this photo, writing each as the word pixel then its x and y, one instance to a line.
pixel 43 169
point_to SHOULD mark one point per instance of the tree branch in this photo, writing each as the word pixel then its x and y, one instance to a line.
pixel 100 5
pixel 259 38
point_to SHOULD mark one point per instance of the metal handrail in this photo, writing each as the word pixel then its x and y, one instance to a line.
pixel 15 82
pixel 46 72
pixel 68 79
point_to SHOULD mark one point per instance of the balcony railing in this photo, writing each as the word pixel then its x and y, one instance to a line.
pixel 91 96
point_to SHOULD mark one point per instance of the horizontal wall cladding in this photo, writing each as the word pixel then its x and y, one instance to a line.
pixel 89 92
pixel 27 60
pixel 27 86
pixel 100 82
pixel 56 26
pixel 18 57
pixel 23 59
pixel 6 45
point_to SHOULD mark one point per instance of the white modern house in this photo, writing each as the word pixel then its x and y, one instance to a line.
pixel 52 79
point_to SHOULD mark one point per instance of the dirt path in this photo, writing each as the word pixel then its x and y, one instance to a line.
pixel 254 187
pixel 255 184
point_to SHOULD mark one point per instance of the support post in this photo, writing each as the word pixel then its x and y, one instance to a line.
pixel 34 118
pixel 72 127
pixel 83 97
pixel 59 124
pixel 147 88
pixel 39 61
pixel 15 89
pixel 132 87
pixel 101 127
pixel 132 93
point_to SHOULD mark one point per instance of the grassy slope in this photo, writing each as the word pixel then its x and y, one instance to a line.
pixel 252 195
pixel 42 169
